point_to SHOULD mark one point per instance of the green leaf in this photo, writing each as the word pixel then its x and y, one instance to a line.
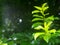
pixel 44 5
pixel 4 44
pixel 35 11
pixel 51 18
pixel 47 37
pixel 49 23
pixel 37 16
pixel 38 27
pixel 52 31
pixel 36 24
pixel 39 8
pixel 47 14
pixel 36 35
pixel 36 19
pixel 45 8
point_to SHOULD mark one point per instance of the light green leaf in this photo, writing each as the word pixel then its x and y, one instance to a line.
pixel 36 19
pixel 36 24
pixel 52 31
pixel 38 27
pixel 37 16
pixel 4 44
pixel 47 37
pixel 39 8
pixel 49 23
pixel 45 8
pixel 35 11
pixel 44 5
pixel 50 18
pixel 36 35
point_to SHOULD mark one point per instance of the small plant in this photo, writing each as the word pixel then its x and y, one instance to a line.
pixel 42 22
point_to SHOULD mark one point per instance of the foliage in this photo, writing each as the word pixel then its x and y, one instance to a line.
pixel 1 43
pixel 42 21
pixel 14 33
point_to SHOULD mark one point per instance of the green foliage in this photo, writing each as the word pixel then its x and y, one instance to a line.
pixel 2 43
pixel 42 21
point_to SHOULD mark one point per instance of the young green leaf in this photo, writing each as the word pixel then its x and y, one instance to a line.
pixel 45 8
pixel 39 8
pixel 38 27
pixel 36 19
pixel 47 25
pixel 37 16
pixel 35 11
pixel 44 5
pixel 36 24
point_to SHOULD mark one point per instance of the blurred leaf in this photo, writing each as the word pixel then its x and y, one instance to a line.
pixel 47 37
pixel 35 11
pixel 52 31
pixel 44 4
pixel 36 19
pixel 39 8
pixel 4 44
pixel 38 27
pixel 36 35
pixel 45 8
pixel 51 18
pixel 37 16
pixel 56 18
pixel 48 25
pixel 36 24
